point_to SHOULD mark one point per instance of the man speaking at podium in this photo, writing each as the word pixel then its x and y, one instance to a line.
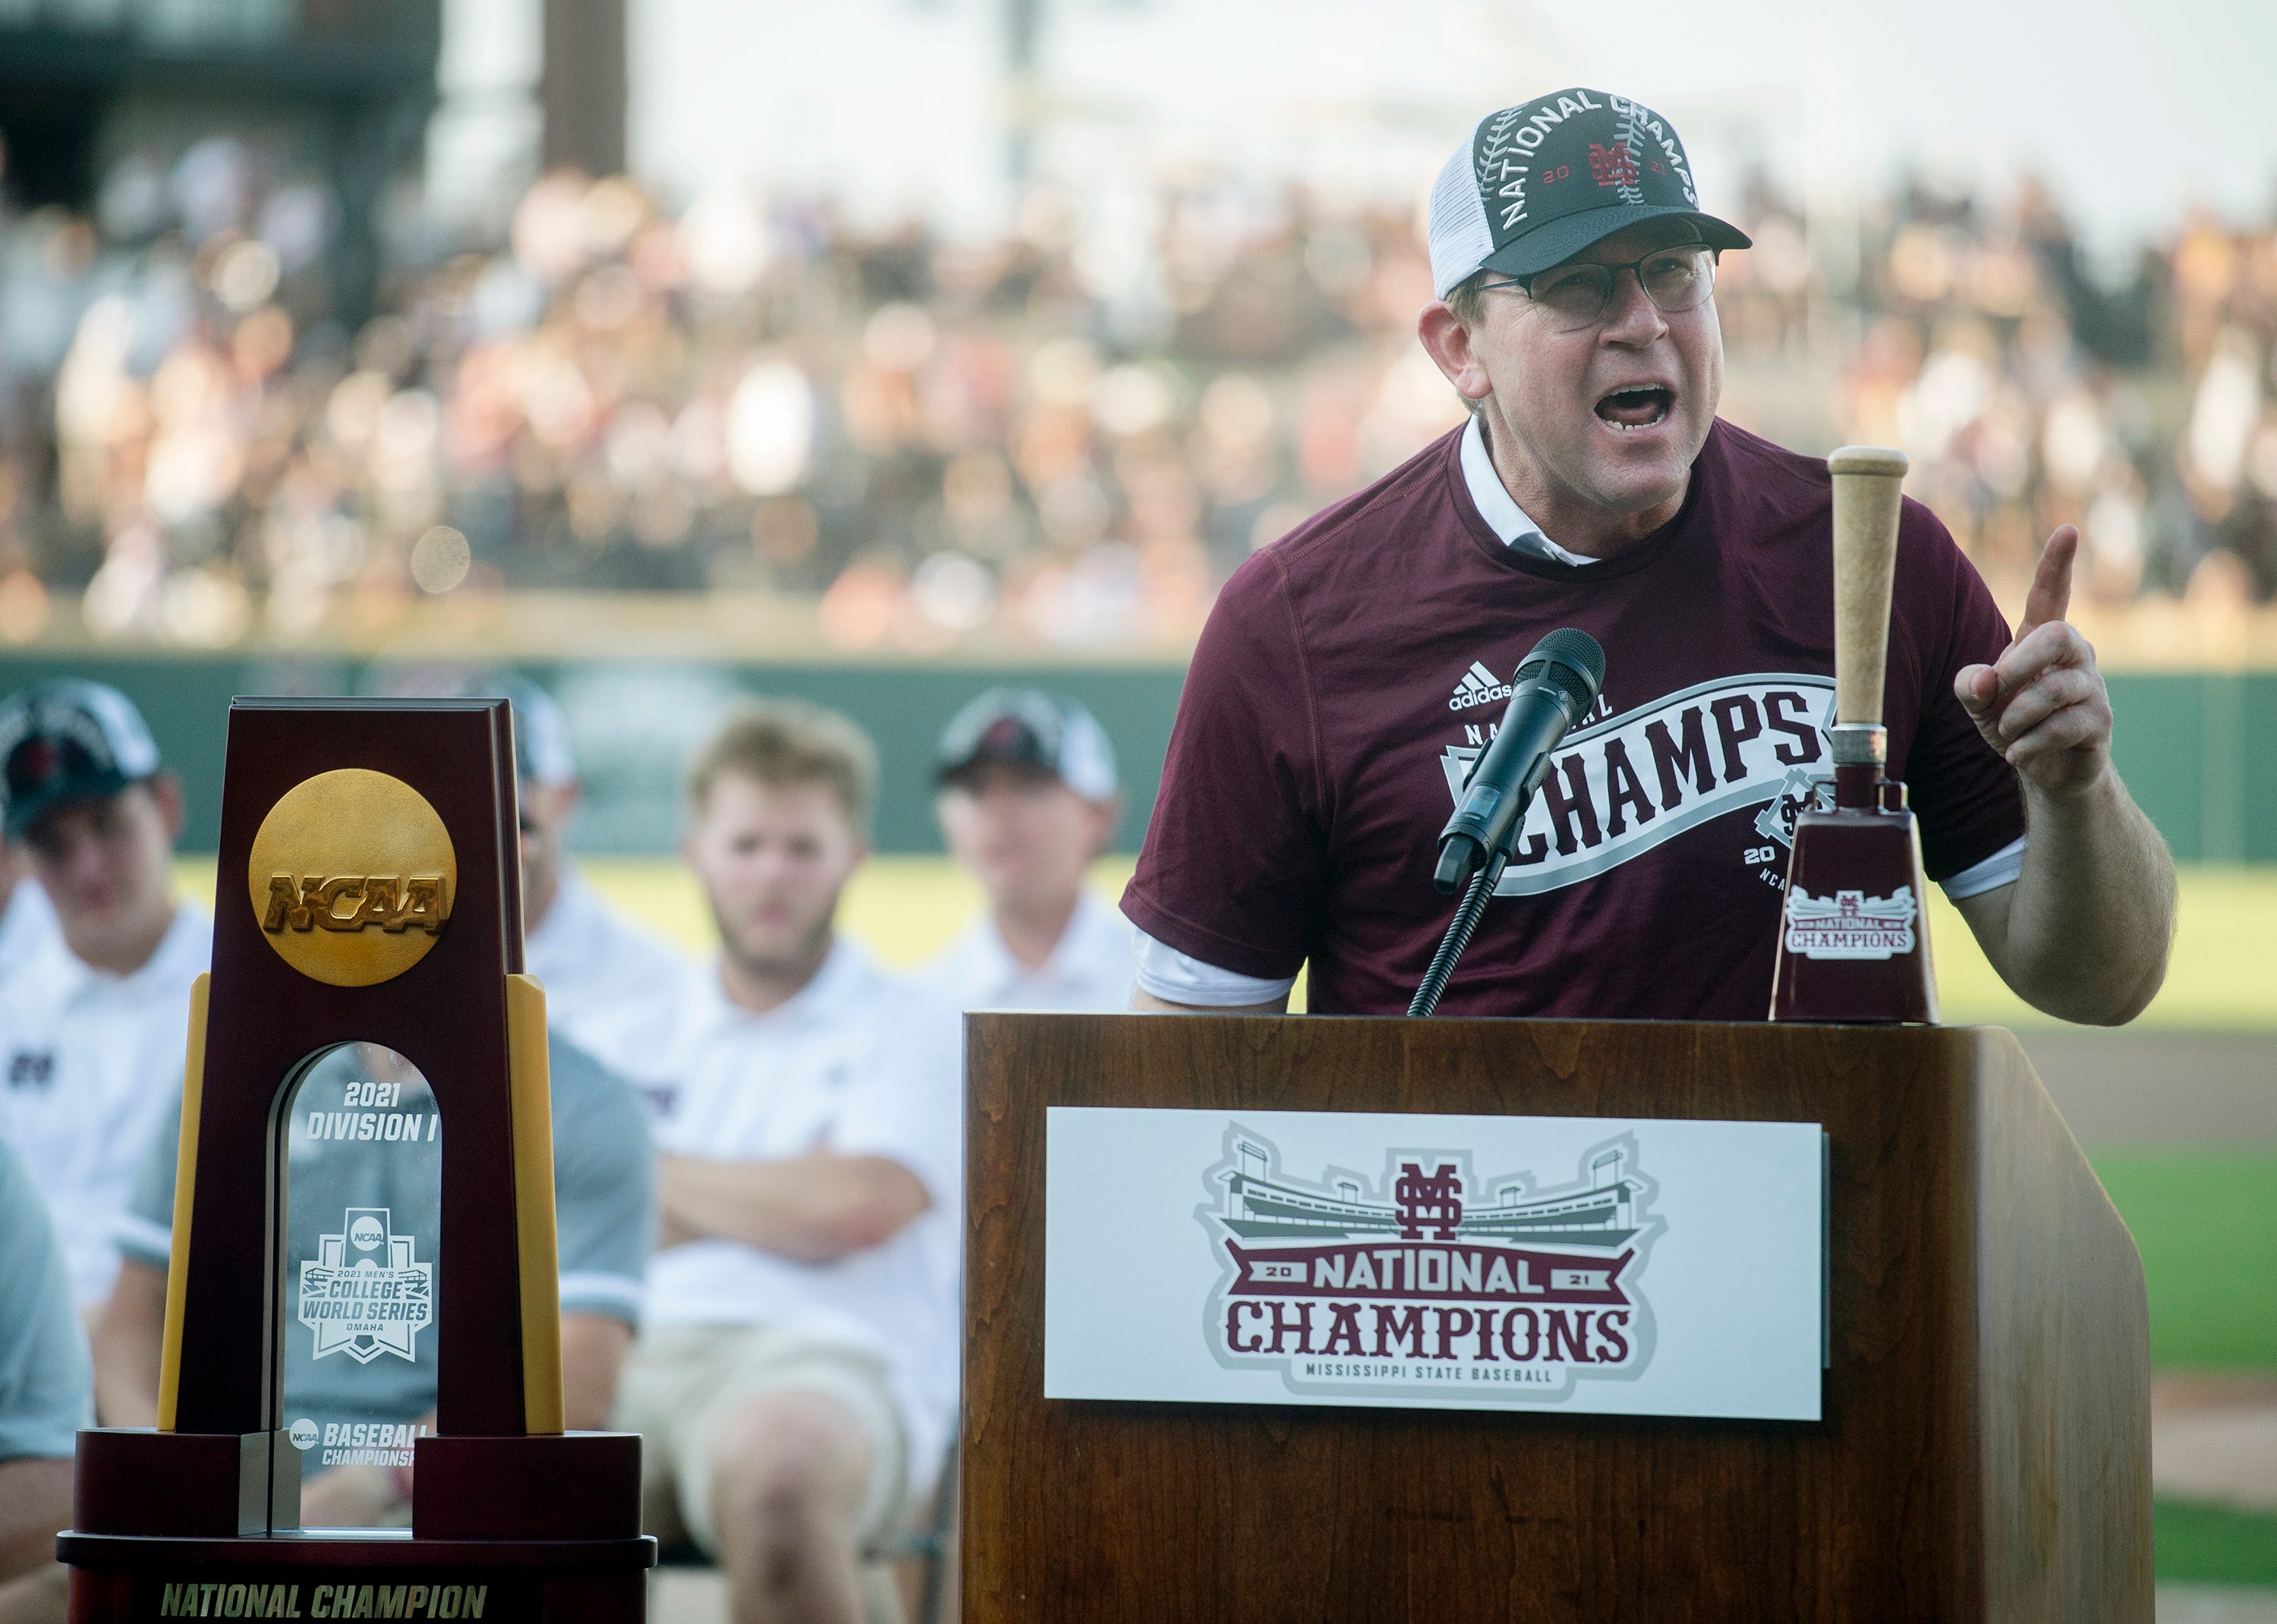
pixel 1351 671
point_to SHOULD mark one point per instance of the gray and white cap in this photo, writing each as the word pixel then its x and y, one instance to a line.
pixel 1023 728
pixel 1538 182
pixel 64 740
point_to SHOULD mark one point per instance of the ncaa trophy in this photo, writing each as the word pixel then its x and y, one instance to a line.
pixel 375 847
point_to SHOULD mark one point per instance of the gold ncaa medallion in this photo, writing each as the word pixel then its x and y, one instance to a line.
pixel 352 877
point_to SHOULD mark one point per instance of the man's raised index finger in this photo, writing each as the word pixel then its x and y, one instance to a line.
pixel 2051 593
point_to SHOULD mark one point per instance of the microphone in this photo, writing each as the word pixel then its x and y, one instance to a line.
pixel 1554 687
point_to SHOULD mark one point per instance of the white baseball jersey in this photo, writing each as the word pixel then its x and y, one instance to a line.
pixel 89 1064
pixel 28 926
pixel 594 963
pixel 865 1064
pixel 1090 968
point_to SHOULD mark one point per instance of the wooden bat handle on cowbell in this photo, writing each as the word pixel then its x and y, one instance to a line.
pixel 1854 941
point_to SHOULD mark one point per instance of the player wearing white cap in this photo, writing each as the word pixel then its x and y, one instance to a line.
pixel 795 1376
pixel 592 962
pixel 591 959
pixel 1027 801
pixel 93 1029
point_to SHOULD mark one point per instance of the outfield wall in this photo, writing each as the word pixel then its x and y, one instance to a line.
pixel 2193 745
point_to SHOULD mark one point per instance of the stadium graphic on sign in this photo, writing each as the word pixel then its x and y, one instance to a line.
pixel 1850 924
pixel 365 1293
pixel 1431 1275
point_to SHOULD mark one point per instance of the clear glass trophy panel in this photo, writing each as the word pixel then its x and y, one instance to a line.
pixel 363 1198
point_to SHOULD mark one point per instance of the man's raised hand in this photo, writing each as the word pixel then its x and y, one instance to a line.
pixel 2043 704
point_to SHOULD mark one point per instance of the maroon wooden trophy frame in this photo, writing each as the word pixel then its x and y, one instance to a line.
pixel 512 1517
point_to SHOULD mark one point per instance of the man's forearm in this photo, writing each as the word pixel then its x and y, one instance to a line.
pixel 816 1208
pixel 128 1337
pixel 593 1348
pixel 41 1597
pixel 35 1500
pixel 2088 924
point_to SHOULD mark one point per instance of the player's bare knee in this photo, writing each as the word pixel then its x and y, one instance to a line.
pixel 787 1468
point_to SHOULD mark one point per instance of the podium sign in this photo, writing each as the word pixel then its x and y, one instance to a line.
pixel 1578 1264
pixel 381 912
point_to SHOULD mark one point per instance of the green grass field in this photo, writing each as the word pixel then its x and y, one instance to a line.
pixel 2194 1543
pixel 2205 1222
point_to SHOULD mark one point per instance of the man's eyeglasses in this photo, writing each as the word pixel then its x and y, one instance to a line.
pixel 1573 297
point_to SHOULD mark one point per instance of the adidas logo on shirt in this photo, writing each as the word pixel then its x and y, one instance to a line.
pixel 1479 686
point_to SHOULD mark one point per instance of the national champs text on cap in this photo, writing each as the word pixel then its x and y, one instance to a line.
pixel 1538 182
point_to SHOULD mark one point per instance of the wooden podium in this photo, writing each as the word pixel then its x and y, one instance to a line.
pixel 1984 1450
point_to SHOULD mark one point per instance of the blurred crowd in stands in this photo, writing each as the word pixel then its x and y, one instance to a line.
pixel 1068 436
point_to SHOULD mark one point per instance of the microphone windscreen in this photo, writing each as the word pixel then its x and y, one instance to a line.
pixel 1570 660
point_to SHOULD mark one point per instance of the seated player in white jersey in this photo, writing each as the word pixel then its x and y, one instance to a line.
pixel 43 1402
pixel 93 1029
pixel 363 1187
pixel 28 918
pixel 1027 801
pixel 591 960
pixel 795 1376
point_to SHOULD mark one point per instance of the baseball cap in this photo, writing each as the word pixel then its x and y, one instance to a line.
pixel 66 740
pixel 541 732
pixel 1538 182
pixel 1021 727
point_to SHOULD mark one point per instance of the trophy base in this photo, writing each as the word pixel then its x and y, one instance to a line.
pixel 356 1574
pixel 527 1530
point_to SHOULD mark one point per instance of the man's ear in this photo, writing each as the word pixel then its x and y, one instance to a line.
pixel 167 790
pixel 1107 817
pixel 1447 342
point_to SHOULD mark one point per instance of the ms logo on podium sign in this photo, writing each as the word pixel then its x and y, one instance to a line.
pixel 1517 1296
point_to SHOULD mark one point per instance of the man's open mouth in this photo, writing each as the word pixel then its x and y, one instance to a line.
pixel 1638 407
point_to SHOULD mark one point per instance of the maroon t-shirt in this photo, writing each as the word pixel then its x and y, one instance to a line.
pixel 1352 672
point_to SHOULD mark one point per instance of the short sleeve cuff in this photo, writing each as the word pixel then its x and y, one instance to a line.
pixel 1209 947
pixel 34 1437
pixel 616 1296
pixel 1180 978
pixel 138 1238
pixel 2000 868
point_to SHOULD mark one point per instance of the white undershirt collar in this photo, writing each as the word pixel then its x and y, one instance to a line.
pixel 1503 515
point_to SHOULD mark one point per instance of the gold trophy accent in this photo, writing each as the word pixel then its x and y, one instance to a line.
pixel 351 877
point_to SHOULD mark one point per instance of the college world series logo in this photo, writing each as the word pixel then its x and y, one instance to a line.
pixel 1431 1274
pixel 365 1293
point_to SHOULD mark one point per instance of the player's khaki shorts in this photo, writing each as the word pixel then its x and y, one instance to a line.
pixel 683 1384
